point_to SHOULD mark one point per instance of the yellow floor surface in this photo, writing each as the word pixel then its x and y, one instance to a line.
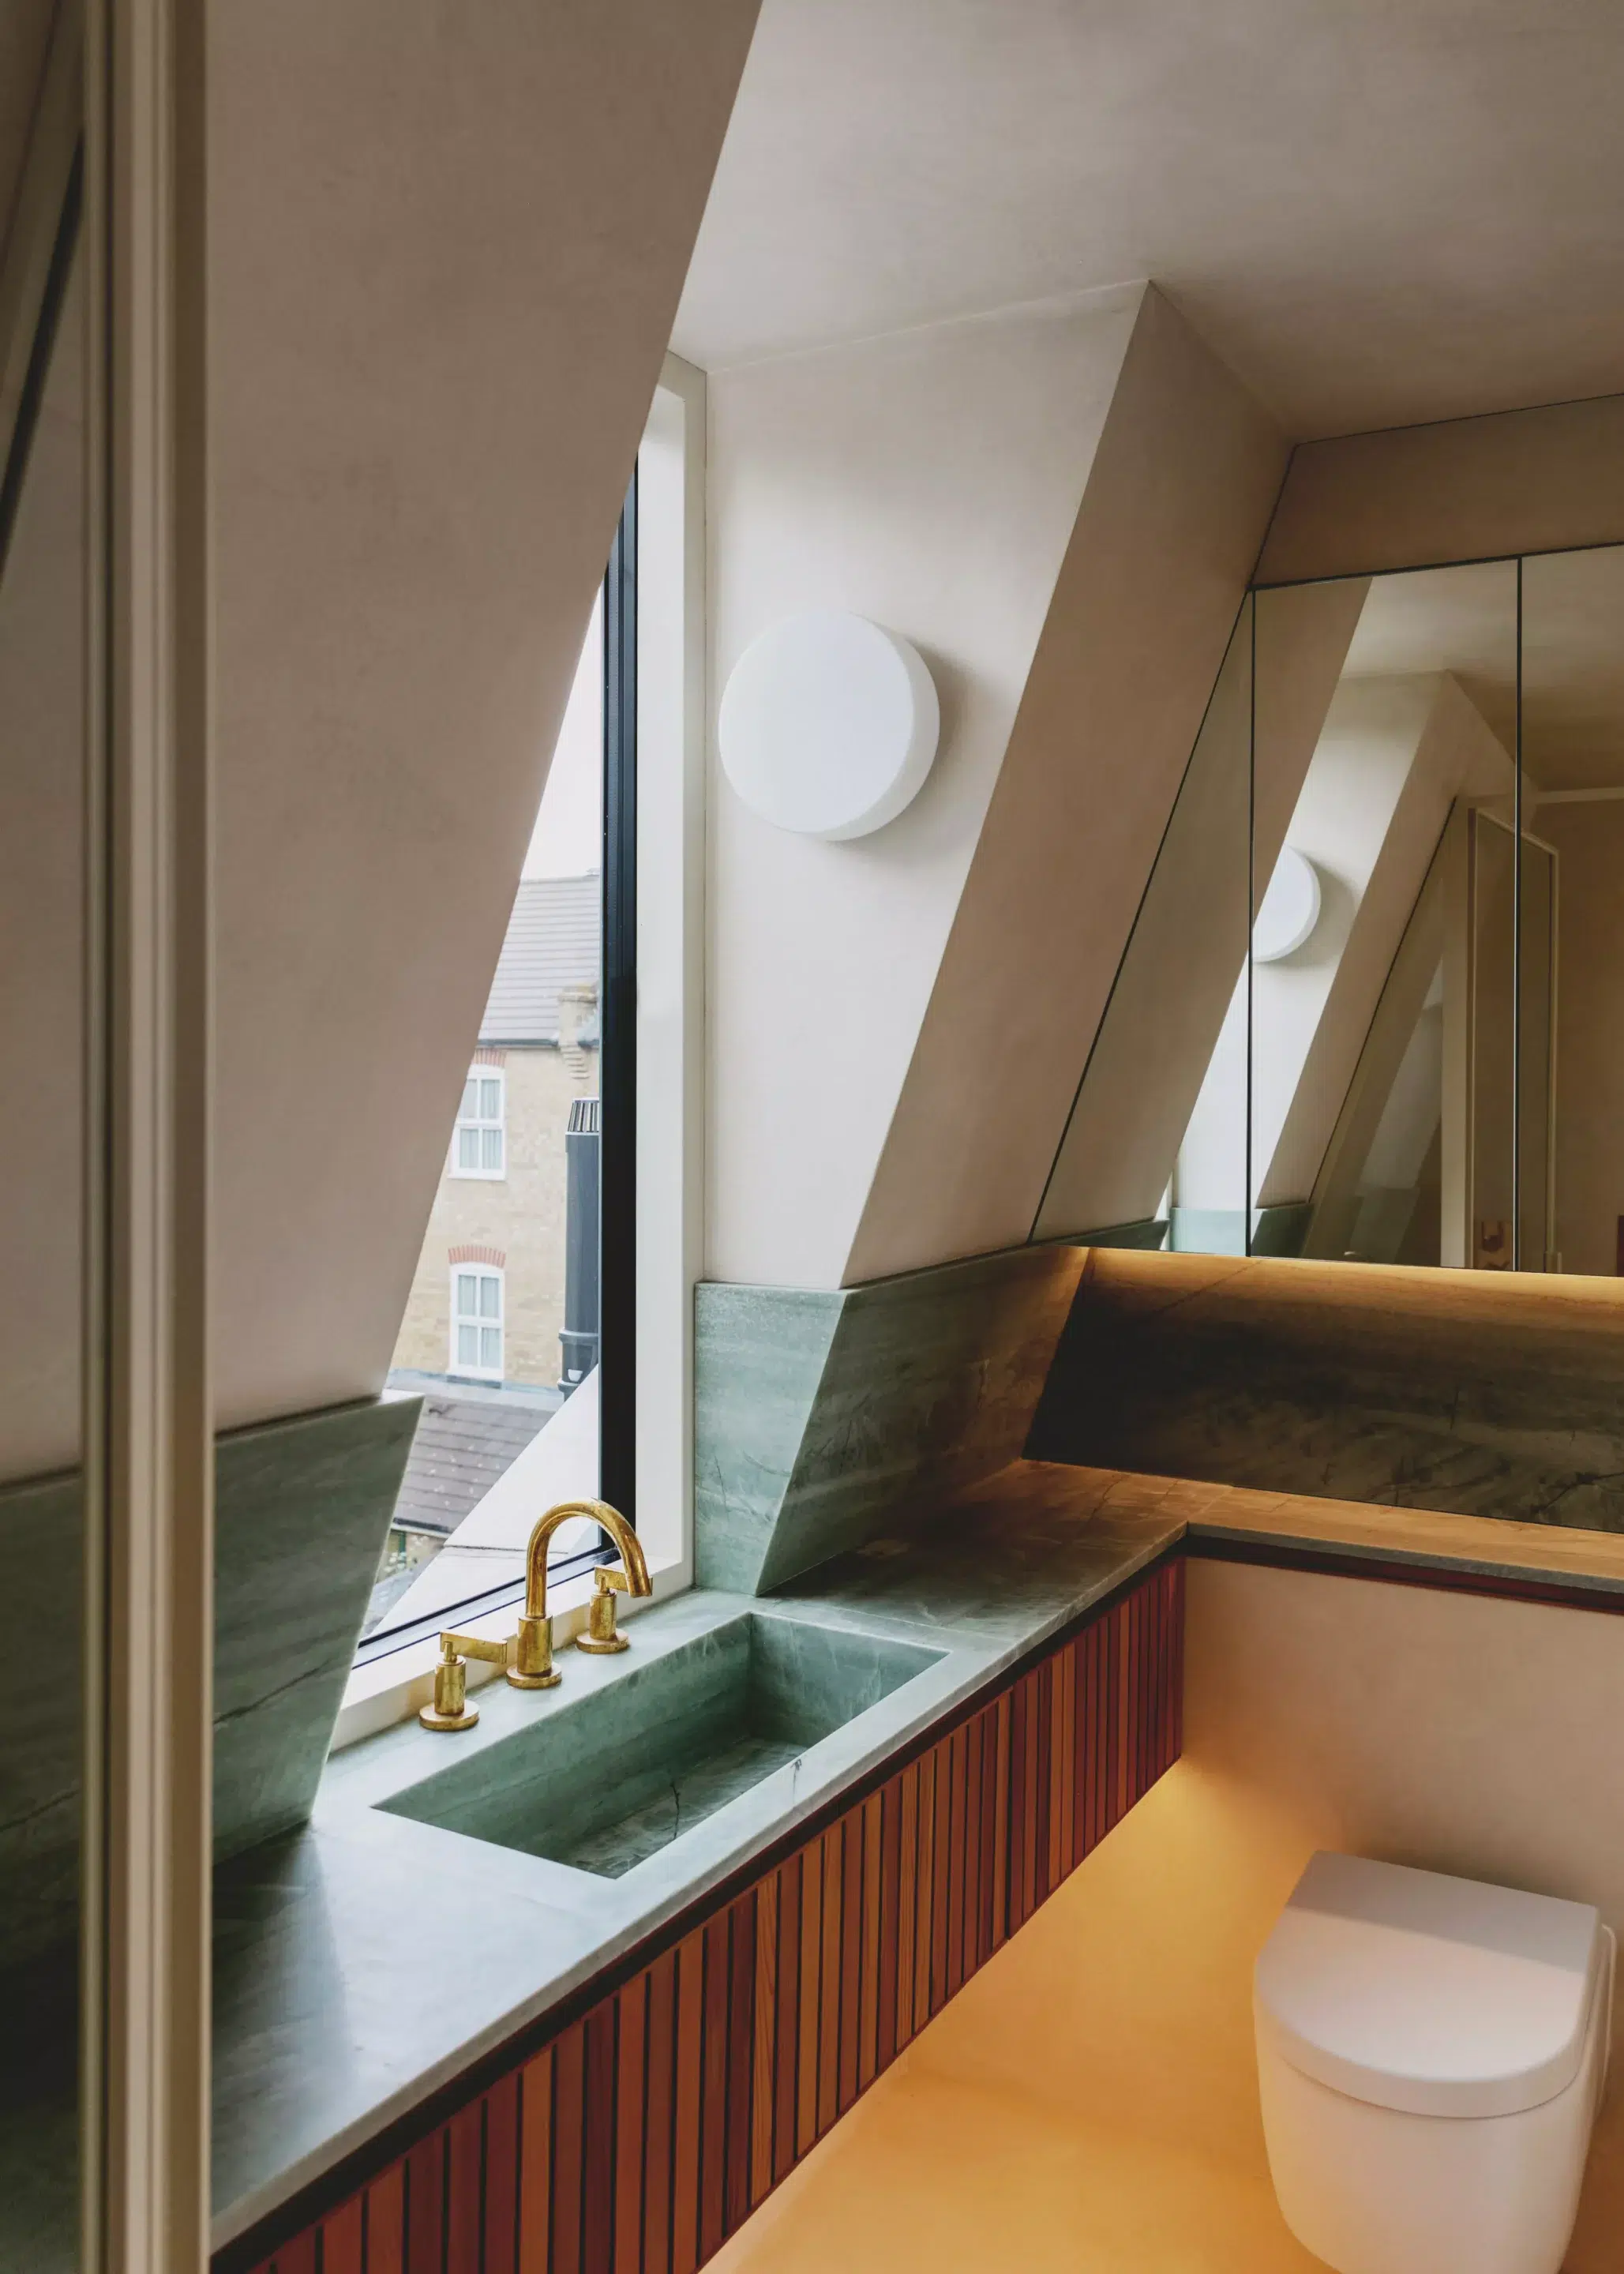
pixel 1089 2102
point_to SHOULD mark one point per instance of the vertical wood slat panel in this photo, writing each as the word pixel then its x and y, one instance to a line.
pixel 425 2206
pixel 713 2085
pixel 811 1862
pixel 659 2139
pixel 890 1925
pixel 648 2131
pixel 464 2185
pixel 685 2151
pixel 385 2222
pixel 833 1848
pixel 958 1789
pixel 631 2009
pixel 765 2052
pixel 868 1971
pixel 907 1896
pixel 740 2049
pixel 850 2020
pixel 1002 1739
pixel 941 1874
pixel 344 2239
pixel 788 2046
pixel 568 2146
pixel 599 2093
pixel 924 1879
pixel 502 2178
pixel 535 2163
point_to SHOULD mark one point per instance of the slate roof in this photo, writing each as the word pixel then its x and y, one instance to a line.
pixel 552 942
pixel 462 1447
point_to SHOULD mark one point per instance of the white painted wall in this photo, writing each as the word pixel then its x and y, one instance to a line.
pixel 930 480
pixel 1177 498
pixel 448 245
pixel 1455 1732
pixel 1060 507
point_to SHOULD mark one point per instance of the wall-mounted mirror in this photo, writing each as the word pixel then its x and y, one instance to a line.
pixel 1382 1126
pixel 1572 1027
pixel 1368 1011
pixel 1155 1151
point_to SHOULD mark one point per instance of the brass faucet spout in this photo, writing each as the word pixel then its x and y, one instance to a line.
pixel 597 1511
pixel 533 1668
pixel 529 1653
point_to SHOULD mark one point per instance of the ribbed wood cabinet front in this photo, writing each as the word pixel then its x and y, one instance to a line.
pixel 647 2130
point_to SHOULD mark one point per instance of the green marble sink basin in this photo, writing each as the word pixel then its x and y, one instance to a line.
pixel 609 1779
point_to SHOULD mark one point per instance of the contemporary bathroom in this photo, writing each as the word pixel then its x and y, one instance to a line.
pixel 811 867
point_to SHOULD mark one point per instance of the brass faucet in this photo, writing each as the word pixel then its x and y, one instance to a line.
pixel 527 1654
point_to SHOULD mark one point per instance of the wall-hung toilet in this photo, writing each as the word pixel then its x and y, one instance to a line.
pixel 1431 2055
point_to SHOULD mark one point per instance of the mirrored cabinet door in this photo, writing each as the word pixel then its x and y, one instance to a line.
pixel 1373 1008
pixel 1383 960
pixel 1154 1153
pixel 1571 998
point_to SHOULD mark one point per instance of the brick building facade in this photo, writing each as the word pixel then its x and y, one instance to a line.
pixel 496 1233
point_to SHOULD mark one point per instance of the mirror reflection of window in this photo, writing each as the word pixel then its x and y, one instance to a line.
pixel 1411 1054
pixel 1572 995
pixel 1154 1153
pixel 1385 749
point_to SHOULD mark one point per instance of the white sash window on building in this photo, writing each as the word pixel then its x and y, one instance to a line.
pixel 477 1320
pixel 480 1145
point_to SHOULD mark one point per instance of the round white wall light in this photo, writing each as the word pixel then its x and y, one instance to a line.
pixel 828 725
pixel 1290 908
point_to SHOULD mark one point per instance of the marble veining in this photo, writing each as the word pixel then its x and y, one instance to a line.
pixel 1483 1394
pixel 302 1507
pixel 817 1411
pixel 681 1732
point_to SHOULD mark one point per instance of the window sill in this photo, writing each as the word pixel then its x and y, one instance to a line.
pixel 391 1689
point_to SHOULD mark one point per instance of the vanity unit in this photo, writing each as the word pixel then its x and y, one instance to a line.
pixel 577 1987
pixel 703 1894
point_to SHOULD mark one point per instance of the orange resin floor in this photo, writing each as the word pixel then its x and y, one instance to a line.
pixel 1088 2103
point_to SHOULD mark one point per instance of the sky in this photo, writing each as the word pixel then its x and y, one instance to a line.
pixel 567 838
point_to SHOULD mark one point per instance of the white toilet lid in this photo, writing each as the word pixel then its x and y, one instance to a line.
pixel 1438 1996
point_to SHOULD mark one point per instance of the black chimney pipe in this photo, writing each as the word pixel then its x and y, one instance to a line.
pixel 579 1338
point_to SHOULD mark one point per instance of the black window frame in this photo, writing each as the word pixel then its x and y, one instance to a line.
pixel 617 1084
pixel 617 1077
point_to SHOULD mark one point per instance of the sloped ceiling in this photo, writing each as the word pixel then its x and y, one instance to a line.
pixel 1376 214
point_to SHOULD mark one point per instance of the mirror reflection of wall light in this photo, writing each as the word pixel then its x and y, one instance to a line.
pixel 1290 908
pixel 828 725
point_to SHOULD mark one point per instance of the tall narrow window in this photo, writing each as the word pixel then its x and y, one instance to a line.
pixel 546 1327
pixel 477 1321
pixel 480 1147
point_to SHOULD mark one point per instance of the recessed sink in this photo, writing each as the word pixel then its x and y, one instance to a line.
pixel 608 1778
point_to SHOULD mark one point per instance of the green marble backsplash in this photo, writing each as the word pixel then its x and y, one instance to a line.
pixel 1483 1393
pixel 818 1412
pixel 301 1510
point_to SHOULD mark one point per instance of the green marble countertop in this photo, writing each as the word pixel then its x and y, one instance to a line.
pixel 368 1961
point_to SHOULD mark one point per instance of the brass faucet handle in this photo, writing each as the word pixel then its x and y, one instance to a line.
pixel 602 1636
pixel 450 1709
pixel 497 1652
